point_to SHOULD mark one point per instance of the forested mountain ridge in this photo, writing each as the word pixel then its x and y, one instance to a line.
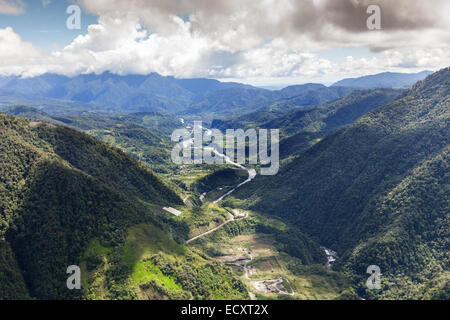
pixel 30 113
pixel 267 104
pixel 377 191
pixel 131 93
pixel 58 189
pixel 144 135
pixel 302 126
pixel 385 80
pixel 332 115
pixel 69 199
pixel 109 93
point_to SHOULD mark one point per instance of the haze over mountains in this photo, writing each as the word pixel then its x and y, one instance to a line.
pixel 207 98
pixel 134 92
pixel 384 80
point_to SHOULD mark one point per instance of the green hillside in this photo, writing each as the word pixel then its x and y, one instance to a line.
pixel 250 103
pixel 144 135
pixel 227 177
pixel 66 198
pixel 333 115
pixel 301 127
pixel 376 191
pixel 288 99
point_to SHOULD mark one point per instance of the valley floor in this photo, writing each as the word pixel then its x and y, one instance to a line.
pixel 230 237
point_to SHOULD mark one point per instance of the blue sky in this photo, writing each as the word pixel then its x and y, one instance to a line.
pixel 269 42
pixel 45 25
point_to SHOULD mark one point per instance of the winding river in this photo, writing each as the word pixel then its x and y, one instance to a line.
pixel 251 172
pixel 251 176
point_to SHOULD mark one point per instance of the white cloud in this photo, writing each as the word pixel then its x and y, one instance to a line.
pixel 45 3
pixel 18 57
pixel 122 46
pixel 12 7
pixel 230 39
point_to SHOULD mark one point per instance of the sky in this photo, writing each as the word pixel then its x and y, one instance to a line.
pixel 265 42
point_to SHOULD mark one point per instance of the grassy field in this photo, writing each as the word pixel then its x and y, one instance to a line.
pixel 150 265
pixel 204 218
pixel 187 175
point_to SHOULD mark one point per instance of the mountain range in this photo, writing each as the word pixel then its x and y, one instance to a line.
pixel 109 93
pixel 86 179
pixel 69 199
pixel 377 191
pixel 143 135
pixel 384 80
pixel 131 92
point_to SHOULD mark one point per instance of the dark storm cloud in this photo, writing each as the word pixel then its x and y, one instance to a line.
pixel 315 17
pixel 348 14
pixel 305 16
pixel 232 23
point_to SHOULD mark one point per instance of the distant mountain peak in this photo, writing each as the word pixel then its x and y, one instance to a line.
pixel 384 80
